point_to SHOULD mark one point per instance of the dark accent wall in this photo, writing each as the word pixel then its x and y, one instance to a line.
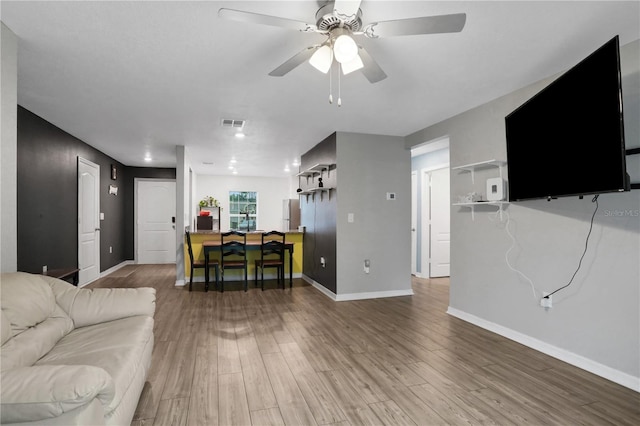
pixel 318 213
pixel 47 172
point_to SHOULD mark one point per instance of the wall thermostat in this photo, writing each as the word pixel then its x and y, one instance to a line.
pixel 495 189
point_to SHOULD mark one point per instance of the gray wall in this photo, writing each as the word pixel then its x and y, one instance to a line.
pixel 8 148
pixel 370 166
pixel 594 323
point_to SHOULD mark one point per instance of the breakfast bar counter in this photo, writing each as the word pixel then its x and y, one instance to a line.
pixel 293 239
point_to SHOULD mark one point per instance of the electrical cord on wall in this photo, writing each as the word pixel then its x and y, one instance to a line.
pixel 586 245
pixel 506 256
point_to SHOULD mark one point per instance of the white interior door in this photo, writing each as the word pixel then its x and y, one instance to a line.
pixel 88 221
pixel 440 223
pixel 155 221
pixel 425 222
pixel 414 222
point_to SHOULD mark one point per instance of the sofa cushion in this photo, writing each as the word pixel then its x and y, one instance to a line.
pixel 116 346
pixel 36 322
pixel 27 300
pixel 6 328
pixel 45 392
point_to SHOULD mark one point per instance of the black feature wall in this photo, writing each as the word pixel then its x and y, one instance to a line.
pixel 318 213
pixel 47 161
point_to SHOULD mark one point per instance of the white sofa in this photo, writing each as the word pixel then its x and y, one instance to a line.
pixel 72 356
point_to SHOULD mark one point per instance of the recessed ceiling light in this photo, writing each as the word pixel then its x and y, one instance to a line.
pixel 286 169
pixel 233 161
pixel 239 135
pixel 235 172
pixel 147 159
pixel 230 167
pixel 296 163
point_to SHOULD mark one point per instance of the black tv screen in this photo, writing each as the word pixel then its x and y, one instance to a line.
pixel 569 139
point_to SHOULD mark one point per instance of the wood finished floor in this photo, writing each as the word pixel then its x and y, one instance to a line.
pixel 295 357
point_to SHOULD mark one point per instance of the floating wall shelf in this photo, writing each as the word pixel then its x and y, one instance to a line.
pixel 500 204
pixel 313 191
pixel 471 168
pixel 314 170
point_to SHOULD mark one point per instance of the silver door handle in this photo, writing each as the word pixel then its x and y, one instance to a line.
pixel 97 229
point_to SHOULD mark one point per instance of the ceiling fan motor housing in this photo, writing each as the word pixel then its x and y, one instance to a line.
pixel 326 20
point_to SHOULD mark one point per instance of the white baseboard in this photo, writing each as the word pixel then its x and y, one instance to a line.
pixel 356 296
pixel 373 295
pixel 331 295
pixel 182 283
pixel 589 365
pixel 115 268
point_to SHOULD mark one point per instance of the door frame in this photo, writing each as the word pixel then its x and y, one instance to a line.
pixel 96 201
pixel 414 223
pixel 425 211
pixel 135 210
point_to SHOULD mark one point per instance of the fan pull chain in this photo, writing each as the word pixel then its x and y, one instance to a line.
pixel 339 98
pixel 330 85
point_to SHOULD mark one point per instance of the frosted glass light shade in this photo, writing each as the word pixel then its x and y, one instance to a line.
pixel 352 65
pixel 345 49
pixel 321 59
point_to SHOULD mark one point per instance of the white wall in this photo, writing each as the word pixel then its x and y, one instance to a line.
pixel 369 166
pixel 594 323
pixel 8 150
pixel 183 166
pixel 271 193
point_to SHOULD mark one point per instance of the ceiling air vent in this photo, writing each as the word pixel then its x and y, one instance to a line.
pixel 237 124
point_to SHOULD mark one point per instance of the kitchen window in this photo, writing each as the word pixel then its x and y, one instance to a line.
pixel 243 210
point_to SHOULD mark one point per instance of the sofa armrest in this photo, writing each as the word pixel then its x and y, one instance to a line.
pixel 47 391
pixel 93 306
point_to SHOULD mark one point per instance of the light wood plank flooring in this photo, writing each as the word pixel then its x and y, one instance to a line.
pixel 295 357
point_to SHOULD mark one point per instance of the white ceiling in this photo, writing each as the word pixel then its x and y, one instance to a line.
pixel 132 78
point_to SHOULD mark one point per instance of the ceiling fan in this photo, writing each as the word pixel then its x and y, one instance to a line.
pixel 341 21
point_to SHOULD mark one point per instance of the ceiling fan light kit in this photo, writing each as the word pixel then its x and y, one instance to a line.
pixel 341 21
pixel 322 59
pixel 345 49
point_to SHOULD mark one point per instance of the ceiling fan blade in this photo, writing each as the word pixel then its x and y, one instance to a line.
pixel 371 69
pixel 294 61
pixel 346 8
pixel 256 18
pixel 415 26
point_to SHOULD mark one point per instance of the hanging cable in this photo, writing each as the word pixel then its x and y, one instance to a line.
pixel 506 256
pixel 586 245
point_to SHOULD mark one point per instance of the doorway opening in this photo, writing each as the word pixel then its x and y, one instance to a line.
pixel 430 204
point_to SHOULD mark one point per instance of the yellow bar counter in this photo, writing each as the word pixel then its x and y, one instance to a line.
pixel 197 238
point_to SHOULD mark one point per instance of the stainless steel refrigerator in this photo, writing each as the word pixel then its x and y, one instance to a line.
pixel 290 214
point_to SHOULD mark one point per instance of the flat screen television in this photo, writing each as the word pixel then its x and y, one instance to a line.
pixel 568 139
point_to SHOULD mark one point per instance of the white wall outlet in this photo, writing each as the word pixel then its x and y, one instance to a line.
pixel 350 217
pixel 44 269
pixel 101 216
pixel 546 302
pixel 367 265
pixel 110 249
pixel 323 262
